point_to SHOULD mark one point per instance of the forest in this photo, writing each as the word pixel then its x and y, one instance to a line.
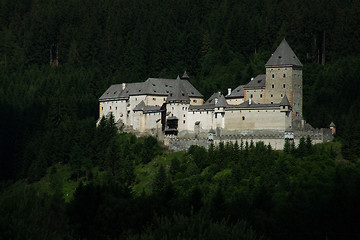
pixel 61 177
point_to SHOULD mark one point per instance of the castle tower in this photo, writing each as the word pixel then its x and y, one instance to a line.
pixel 284 77
pixel 178 103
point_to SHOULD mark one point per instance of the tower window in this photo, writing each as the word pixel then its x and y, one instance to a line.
pixel 184 121
pixel 110 107
pixel 243 118
pixel 102 108
pixel 271 95
pixel 251 96
pixel 272 86
pixel 260 95
pixel 273 75
pixel 281 95
pixel 272 102
pixel 284 85
pixel 284 75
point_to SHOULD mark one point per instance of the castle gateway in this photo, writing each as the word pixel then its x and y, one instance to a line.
pixel 268 108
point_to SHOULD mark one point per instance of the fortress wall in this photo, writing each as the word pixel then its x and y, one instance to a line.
pixel 274 138
pixel 205 118
pixel 256 119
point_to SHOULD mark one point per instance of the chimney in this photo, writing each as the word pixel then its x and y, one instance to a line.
pixel 123 86
pixel 229 91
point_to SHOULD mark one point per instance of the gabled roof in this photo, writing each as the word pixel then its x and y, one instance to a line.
pixel 140 106
pixel 258 82
pixel 283 56
pixel 285 101
pixel 146 109
pixel 152 86
pixel 237 92
pixel 216 100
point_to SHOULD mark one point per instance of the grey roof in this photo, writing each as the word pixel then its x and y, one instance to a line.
pixel 283 56
pixel 332 124
pixel 285 101
pixel 258 82
pixel 237 92
pixel 178 93
pixel 146 109
pixel 211 103
pixel 140 106
pixel 152 86
pixel 185 76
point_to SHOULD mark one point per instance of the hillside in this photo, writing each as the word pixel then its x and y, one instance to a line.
pixel 58 171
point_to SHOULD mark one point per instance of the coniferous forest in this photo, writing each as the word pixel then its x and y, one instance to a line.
pixel 61 177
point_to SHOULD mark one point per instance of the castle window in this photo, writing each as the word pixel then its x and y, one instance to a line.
pixel 184 115
pixel 284 75
pixel 154 99
pixel 273 75
pixel 243 118
pixel 164 99
pixel 260 95
pixel 110 107
pixel 281 95
pixel 115 108
pixel 251 96
pixel 184 121
pixel 284 85
pixel 135 99
pixel 283 107
pixel 272 86
pixel 271 95
pixel 194 100
pixel 102 108
pixel 272 103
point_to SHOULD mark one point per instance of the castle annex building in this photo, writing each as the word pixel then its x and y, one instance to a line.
pixel 268 108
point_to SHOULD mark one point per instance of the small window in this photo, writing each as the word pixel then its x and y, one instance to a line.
pixel 284 75
pixel 273 76
pixel 271 95
pixel 184 115
pixel 102 108
pixel 243 118
pixel 284 85
pixel 110 107
pixel 154 99
pixel 297 114
pixel 251 96
pixel 260 95
pixel 115 108
pixel 135 99
pixel 194 100
pixel 184 121
pixel 283 107
pixel 281 95
pixel 272 86
pixel 272 102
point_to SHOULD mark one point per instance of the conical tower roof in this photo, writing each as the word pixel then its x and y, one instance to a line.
pixel 283 56
pixel 285 101
pixel 185 76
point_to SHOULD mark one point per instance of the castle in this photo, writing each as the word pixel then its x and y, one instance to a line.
pixel 269 108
